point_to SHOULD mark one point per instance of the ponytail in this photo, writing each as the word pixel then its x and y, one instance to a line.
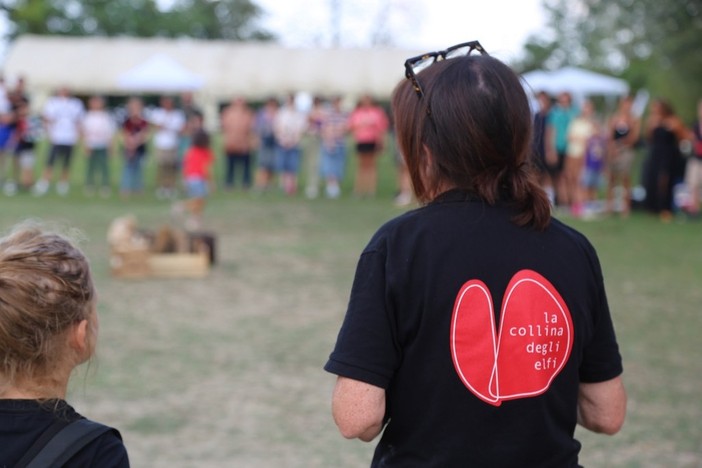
pixel 530 200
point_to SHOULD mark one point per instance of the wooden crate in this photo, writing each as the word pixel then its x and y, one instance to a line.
pixel 143 264
pixel 179 265
pixel 130 263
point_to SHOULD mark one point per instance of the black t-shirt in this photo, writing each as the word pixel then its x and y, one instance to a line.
pixel 23 421
pixel 480 332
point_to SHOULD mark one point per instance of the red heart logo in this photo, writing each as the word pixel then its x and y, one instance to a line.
pixel 533 344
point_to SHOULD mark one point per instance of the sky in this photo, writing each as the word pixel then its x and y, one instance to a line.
pixel 501 26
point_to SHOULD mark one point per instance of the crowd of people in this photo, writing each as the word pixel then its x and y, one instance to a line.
pixel 261 148
pixel 586 164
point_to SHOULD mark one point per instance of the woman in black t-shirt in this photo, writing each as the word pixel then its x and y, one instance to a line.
pixel 48 326
pixel 478 331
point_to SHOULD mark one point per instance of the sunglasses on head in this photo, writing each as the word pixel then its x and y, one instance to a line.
pixel 416 64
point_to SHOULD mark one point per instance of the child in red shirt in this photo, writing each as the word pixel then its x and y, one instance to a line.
pixel 196 174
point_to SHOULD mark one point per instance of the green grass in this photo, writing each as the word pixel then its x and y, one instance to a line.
pixel 226 371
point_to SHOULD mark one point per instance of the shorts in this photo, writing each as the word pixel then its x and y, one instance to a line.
pixel 266 158
pixel 26 159
pixel 167 157
pixel 60 152
pixel 370 147
pixel 196 187
pixel 622 160
pixel 693 173
pixel 288 160
pixel 333 161
pixel 555 169
pixel 591 179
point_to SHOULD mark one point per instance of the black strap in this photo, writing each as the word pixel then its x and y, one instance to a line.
pixel 43 439
pixel 66 443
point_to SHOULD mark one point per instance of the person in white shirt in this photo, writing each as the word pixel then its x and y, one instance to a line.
pixel 62 116
pixel 168 123
pixel 98 129
pixel 288 127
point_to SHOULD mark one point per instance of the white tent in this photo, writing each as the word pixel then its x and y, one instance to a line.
pixel 579 82
pixel 160 73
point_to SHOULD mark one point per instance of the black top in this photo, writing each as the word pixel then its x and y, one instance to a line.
pixel 23 421
pixel 481 332
pixel 697 144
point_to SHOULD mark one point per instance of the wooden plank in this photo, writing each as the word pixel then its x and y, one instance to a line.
pixel 179 265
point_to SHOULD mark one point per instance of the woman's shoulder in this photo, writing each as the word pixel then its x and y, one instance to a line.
pixel 569 235
pixel 392 227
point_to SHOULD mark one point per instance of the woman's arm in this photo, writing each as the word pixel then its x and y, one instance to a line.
pixel 358 409
pixel 602 406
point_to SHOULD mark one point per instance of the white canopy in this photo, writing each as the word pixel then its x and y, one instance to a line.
pixel 160 73
pixel 577 81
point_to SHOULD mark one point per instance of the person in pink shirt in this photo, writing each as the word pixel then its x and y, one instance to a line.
pixel 368 124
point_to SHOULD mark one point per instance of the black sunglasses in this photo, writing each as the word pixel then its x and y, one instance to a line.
pixel 416 64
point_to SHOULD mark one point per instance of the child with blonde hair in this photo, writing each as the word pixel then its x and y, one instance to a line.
pixel 48 326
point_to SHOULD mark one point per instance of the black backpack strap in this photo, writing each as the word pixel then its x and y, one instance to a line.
pixel 43 439
pixel 67 442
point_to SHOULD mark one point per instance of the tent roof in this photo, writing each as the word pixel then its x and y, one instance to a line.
pixel 159 73
pixel 253 70
pixel 577 81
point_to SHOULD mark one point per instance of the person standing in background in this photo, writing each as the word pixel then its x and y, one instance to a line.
pixel 664 166
pixel 237 123
pixel 624 131
pixel 197 167
pixel 98 130
pixel 580 130
pixel 313 147
pixel 547 171
pixel 557 124
pixel 62 116
pixel 333 132
pixel 6 129
pixel 135 131
pixel 194 121
pixel 27 133
pixel 693 171
pixel 267 144
pixel 168 123
pixel 368 124
pixel 289 126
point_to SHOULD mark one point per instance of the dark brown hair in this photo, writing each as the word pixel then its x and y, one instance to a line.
pixel 201 139
pixel 471 130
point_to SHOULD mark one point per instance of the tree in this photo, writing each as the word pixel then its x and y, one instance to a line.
pixel 204 19
pixel 650 43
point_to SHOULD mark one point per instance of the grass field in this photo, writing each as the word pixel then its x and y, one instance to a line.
pixel 226 371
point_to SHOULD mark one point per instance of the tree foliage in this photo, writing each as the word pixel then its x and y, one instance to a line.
pixel 650 43
pixel 202 19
